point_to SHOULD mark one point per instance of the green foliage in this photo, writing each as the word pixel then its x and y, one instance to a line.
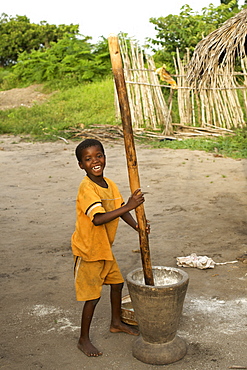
pixel 228 1
pixel 101 53
pixel 17 35
pixel 70 59
pixel 3 74
pixel 185 30
pixel 86 104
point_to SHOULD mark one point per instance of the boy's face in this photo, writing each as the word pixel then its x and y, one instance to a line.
pixel 93 161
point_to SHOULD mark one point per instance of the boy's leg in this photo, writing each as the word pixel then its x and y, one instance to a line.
pixel 116 324
pixel 84 343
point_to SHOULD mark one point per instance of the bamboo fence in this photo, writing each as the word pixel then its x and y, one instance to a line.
pixel 222 104
pixel 147 104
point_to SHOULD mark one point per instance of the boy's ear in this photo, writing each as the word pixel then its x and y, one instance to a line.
pixel 80 165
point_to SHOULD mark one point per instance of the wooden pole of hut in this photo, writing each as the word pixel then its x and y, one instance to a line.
pixel 134 181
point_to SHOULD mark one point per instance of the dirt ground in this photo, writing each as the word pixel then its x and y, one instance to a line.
pixel 196 203
pixel 22 97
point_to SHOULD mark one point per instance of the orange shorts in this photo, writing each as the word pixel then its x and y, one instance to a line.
pixel 91 276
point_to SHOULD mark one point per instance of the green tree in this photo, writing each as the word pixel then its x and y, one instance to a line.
pixel 233 6
pixel 17 35
pixel 185 30
pixel 70 59
pixel 101 53
pixel 225 1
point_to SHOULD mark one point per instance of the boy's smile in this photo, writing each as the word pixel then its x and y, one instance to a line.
pixel 93 162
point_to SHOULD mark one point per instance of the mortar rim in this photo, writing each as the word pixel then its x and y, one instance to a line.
pixel 185 277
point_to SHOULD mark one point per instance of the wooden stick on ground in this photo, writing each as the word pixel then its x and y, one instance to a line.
pixel 130 153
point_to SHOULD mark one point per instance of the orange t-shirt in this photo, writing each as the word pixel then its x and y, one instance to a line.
pixel 93 243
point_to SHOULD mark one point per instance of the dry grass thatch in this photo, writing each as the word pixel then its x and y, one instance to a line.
pixel 219 49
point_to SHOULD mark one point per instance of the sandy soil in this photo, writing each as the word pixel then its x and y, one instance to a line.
pixel 24 97
pixel 196 203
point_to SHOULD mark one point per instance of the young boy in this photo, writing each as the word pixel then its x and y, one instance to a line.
pixel 99 206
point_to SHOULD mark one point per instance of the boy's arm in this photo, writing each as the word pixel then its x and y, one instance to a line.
pixel 127 217
pixel 134 201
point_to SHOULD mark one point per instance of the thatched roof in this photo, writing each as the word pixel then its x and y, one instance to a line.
pixel 219 49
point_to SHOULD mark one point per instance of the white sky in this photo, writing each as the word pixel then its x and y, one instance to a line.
pixel 102 17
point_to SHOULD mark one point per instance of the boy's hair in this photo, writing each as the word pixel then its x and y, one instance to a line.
pixel 87 144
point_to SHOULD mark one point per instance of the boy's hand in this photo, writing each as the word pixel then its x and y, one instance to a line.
pixel 136 199
pixel 147 227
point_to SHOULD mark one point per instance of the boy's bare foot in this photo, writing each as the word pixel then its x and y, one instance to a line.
pixel 123 328
pixel 87 348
